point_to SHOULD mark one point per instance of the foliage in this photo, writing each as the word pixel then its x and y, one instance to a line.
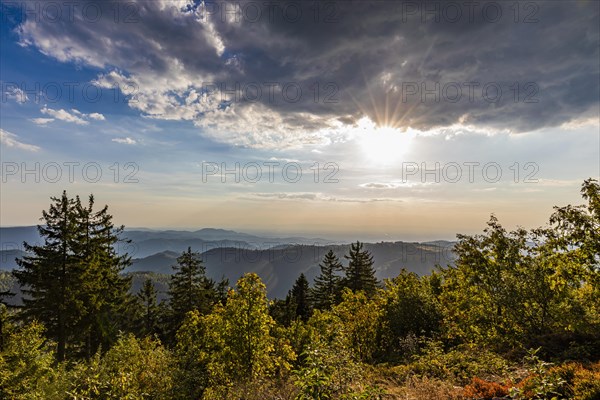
pixel 326 373
pixel 238 341
pixel 26 363
pixel 586 383
pixel 566 381
pixel 192 356
pixel 359 323
pixel 457 364
pixel 506 289
pixel 424 388
pixel 482 389
pixel 410 310
pixel 131 369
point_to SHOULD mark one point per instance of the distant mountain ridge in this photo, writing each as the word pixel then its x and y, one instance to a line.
pixel 147 242
pixel 230 254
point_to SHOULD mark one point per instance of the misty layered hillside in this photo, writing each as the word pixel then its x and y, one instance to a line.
pixel 147 242
pixel 13 237
pixel 7 259
pixel 279 267
pixel 231 254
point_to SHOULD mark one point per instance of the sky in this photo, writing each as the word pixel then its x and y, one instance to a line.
pixel 371 120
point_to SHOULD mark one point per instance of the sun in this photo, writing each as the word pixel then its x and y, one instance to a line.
pixel 384 146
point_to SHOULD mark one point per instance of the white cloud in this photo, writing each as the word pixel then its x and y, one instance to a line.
pixel 582 122
pixel 74 116
pixel 41 121
pixel 17 95
pixel 11 140
pixel 379 185
pixel 97 116
pixel 286 160
pixel 64 115
pixel 393 185
pixel 309 196
pixel 558 182
pixel 257 126
pixel 126 140
pixel 172 86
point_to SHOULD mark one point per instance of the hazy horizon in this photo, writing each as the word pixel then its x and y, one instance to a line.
pixel 346 238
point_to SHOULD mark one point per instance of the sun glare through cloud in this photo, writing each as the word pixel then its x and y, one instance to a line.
pixel 383 146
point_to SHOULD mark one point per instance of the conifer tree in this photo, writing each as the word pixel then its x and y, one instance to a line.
pixel 105 290
pixel 298 298
pixel 326 291
pixel 50 275
pixel 190 289
pixel 72 282
pixel 360 274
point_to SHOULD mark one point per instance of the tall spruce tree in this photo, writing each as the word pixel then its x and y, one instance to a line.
pixel 298 298
pixel 326 291
pixel 190 289
pixel 106 289
pixel 360 274
pixel 72 282
pixel 50 275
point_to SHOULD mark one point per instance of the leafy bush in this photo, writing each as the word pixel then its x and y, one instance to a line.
pixel 543 382
pixel 360 319
pixel 410 310
pixel 132 369
pixel 424 388
pixel 459 364
pixel 482 389
pixel 586 384
pixel 327 373
pixel 26 364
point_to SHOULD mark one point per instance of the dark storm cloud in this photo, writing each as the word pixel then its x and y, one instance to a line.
pixel 549 49
pixel 372 58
